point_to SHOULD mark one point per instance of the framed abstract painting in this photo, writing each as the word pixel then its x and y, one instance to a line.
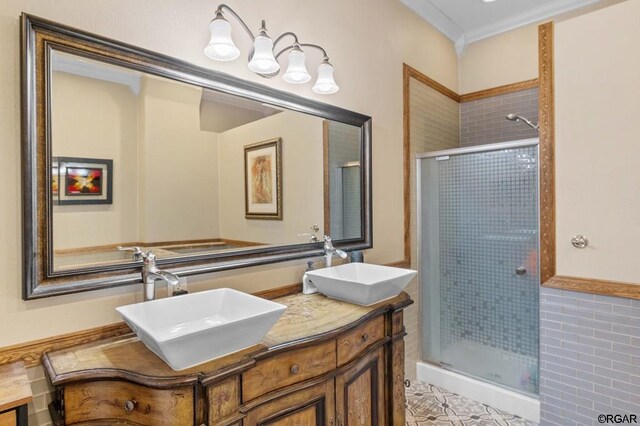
pixel 263 180
pixel 84 181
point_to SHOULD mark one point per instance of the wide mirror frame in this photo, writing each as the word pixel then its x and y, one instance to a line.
pixel 38 38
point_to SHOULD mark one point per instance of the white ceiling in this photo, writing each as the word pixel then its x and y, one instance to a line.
pixel 466 21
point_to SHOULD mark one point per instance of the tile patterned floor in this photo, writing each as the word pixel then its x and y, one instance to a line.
pixel 430 405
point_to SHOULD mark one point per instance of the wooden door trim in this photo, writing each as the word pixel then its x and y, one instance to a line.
pixel 410 72
pixel 500 90
pixel 407 74
pixel 547 153
pixel 595 286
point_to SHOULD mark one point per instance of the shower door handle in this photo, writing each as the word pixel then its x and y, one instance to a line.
pixel 521 270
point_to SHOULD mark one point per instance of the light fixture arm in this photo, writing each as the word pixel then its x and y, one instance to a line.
pixel 314 46
pixel 283 35
pixel 219 11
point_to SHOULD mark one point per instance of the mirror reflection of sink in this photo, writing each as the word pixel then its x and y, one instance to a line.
pixel 188 330
pixel 361 283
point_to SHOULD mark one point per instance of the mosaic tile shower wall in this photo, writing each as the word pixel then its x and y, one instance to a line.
pixel 485 206
pixel 483 121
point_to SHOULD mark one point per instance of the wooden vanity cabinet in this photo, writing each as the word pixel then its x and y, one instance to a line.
pixel 325 363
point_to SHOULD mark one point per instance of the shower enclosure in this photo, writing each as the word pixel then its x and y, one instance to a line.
pixel 478 262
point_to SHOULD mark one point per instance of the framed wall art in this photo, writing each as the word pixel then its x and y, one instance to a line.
pixel 83 181
pixel 263 180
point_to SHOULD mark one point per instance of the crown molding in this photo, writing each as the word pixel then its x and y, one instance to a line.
pixel 435 17
pixel 546 11
pixel 461 39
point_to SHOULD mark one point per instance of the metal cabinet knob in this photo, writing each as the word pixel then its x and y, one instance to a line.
pixel 580 241
pixel 365 337
pixel 294 369
pixel 407 383
pixel 129 405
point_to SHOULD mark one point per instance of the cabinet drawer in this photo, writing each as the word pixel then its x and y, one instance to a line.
pixel 288 368
pixel 353 343
pixel 124 401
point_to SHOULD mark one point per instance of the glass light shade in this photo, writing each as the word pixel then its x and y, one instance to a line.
pixel 325 84
pixel 296 70
pixel 263 61
pixel 221 46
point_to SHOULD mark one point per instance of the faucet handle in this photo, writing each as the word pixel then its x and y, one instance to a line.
pixel 149 257
pixel 138 254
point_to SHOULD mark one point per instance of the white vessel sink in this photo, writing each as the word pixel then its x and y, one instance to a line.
pixel 188 330
pixel 361 283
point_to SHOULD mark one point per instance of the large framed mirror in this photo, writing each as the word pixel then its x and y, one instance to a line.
pixel 127 147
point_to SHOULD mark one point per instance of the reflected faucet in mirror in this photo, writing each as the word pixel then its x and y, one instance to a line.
pixel 313 238
pixel 330 251
pixel 150 272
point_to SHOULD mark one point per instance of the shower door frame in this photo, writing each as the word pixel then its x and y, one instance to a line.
pixel 522 143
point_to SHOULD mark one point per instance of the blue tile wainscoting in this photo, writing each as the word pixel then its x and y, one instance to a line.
pixel 589 357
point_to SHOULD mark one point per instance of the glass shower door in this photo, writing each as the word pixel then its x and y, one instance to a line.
pixel 478 254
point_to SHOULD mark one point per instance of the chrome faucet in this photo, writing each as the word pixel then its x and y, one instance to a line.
pixel 150 272
pixel 330 251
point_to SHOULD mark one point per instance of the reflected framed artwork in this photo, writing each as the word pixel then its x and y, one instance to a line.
pixel 263 180
pixel 84 181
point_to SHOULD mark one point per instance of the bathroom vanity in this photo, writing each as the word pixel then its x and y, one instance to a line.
pixel 325 362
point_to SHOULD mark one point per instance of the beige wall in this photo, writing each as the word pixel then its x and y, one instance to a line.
pixel 96 119
pixel 597 149
pixel 178 165
pixel 302 196
pixel 504 59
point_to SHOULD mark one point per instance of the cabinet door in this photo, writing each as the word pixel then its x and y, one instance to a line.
pixel 360 392
pixel 314 406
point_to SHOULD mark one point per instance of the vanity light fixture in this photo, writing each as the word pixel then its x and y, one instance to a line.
pixel 262 59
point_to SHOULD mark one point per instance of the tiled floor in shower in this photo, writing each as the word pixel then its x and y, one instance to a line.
pixel 430 405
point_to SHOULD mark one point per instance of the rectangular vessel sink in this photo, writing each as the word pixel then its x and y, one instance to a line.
pixel 361 283
pixel 188 330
